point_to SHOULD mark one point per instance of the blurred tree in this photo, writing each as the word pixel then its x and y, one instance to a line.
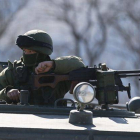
pixel 85 22
pixel 8 9
pixel 124 18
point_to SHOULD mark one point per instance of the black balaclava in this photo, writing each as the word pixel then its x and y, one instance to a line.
pixel 31 60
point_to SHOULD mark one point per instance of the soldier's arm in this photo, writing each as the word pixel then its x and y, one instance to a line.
pixel 6 83
pixel 67 63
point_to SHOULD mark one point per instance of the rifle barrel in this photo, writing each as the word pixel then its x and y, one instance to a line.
pixel 128 75
pixel 127 71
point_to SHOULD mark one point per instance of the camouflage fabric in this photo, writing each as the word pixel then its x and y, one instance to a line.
pixel 44 95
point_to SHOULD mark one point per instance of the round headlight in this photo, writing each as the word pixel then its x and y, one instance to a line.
pixel 84 92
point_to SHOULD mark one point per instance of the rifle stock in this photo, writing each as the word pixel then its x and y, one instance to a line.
pixel 83 74
pixel 39 80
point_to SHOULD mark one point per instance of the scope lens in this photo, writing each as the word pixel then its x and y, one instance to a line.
pixel 84 92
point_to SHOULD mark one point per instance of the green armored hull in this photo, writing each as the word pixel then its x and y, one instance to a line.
pixel 40 123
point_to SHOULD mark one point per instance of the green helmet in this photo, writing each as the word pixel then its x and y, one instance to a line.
pixel 36 40
pixel 134 105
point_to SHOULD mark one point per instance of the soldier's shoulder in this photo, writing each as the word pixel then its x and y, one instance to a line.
pixel 11 65
pixel 18 62
pixel 6 66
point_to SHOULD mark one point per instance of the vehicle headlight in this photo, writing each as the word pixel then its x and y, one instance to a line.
pixel 84 92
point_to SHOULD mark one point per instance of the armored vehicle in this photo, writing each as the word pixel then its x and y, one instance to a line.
pixel 79 119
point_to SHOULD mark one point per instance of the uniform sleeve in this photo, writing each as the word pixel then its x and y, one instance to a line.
pixel 67 63
pixel 6 83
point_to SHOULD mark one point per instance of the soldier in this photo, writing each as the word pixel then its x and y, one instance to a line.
pixel 37 46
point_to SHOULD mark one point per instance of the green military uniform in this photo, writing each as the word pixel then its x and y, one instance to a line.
pixel 17 76
pixel 44 95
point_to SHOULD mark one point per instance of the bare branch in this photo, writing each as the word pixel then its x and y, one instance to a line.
pixel 6 16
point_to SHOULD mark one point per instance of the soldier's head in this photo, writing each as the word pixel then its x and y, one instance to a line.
pixel 36 46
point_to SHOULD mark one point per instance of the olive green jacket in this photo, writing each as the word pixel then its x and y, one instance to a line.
pixel 45 95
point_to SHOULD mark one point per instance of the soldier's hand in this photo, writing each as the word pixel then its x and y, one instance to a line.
pixel 44 67
pixel 14 94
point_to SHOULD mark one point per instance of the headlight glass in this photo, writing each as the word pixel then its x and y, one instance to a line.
pixel 84 92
